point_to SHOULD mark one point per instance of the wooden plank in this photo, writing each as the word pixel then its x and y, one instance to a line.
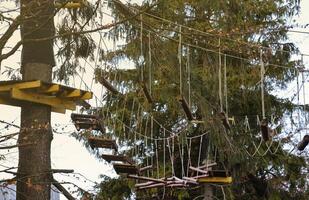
pixel 108 86
pixel 23 85
pixel 18 103
pixel 86 96
pixel 74 94
pixel 223 180
pixel 51 89
pixel 42 99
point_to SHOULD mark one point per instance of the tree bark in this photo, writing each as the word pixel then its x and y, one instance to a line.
pixel 34 177
pixel 208 192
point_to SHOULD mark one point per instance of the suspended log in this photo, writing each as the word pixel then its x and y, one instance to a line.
pixel 117 158
pixel 265 130
pixel 124 168
pixel 96 142
pixel 190 180
pixel 144 184
pixel 177 185
pixel 225 121
pixel 151 186
pixel 186 108
pixel 143 169
pixel 198 170
pixel 207 165
pixel 108 86
pixel 302 144
pixel 147 93
pixel 146 178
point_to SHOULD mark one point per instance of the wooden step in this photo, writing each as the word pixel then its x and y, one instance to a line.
pixel 265 130
pixel 96 142
pixel 186 108
pixel 125 168
pixel 117 158
pixel 147 93
pixel 302 144
pixel 108 86
pixel 88 122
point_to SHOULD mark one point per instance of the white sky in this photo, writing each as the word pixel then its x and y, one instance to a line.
pixel 67 153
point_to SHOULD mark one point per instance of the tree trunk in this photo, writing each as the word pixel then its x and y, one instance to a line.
pixel 208 192
pixel 34 177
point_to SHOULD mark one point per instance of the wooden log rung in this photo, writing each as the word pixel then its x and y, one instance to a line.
pixel 143 169
pixel 265 130
pixel 146 178
pixel 186 108
pixel 302 144
pixel 147 93
pixel 102 143
pixel 124 168
pixel 151 186
pixel 225 121
pixel 108 86
pixel 117 158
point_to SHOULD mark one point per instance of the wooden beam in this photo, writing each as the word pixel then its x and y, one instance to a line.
pixel 41 99
pixel 86 96
pixel 198 170
pixel 224 180
pixel 75 93
pixel 52 89
pixel 23 85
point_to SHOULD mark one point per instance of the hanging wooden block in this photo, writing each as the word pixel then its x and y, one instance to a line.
pixel 265 130
pixel 147 93
pixel 58 97
pixel 302 144
pixel 117 158
pixel 225 121
pixel 144 169
pixel 88 122
pixel 125 168
pixel 108 86
pixel 186 108
pixel 96 142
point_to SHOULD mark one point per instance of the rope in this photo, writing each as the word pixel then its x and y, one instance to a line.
pixel 150 64
pixel 180 63
pixel 189 155
pixel 164 158
pixel 180 148
pixel 157 159
pixel 225 89
pixel 219 77
pixel 141 48
pixel 199 153
pixel 262 83
pixel 189 76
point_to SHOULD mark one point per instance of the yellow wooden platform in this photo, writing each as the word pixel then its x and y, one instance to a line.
pixel 74 4
pixel 59 97
pixel 218 180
